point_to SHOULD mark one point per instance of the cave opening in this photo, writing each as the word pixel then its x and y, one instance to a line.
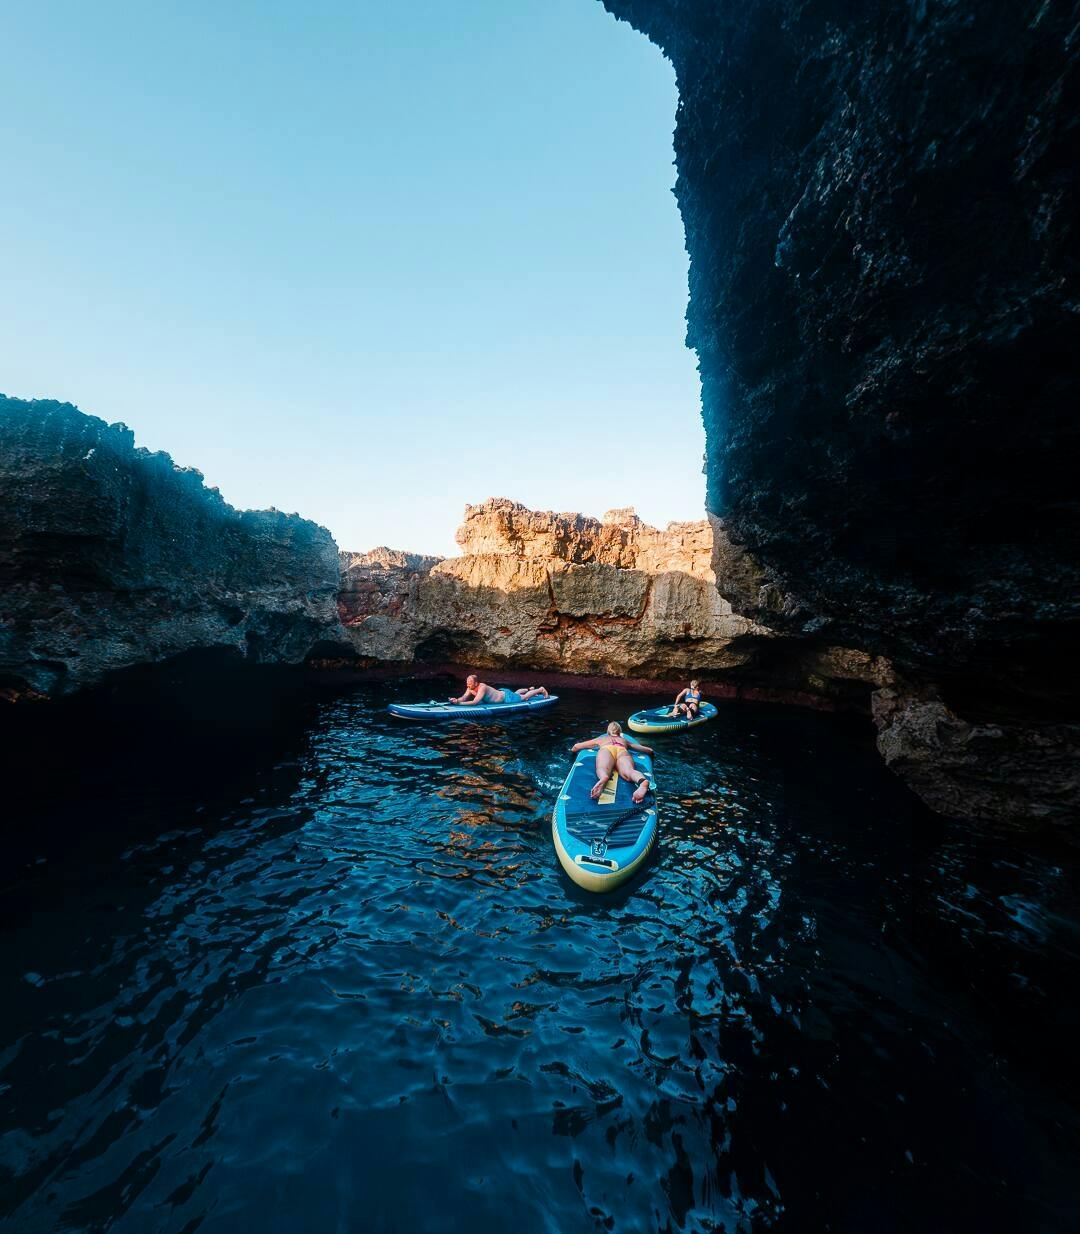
pixel 444 244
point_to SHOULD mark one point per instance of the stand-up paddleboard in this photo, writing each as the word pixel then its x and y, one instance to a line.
pixel 600 844
pixel 657 719
pixel 455 711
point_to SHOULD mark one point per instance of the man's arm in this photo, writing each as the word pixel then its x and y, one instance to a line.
pixel 477 696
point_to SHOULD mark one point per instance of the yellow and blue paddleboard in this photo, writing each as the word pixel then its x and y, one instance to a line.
pixel 657 719
pixel 600 844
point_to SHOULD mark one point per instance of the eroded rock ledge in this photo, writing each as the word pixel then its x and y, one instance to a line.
pixel 111 556
pixel 609 597
pixel 566 593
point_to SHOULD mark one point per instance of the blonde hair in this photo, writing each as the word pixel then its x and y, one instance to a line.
pixel 694 681
pixel 614 729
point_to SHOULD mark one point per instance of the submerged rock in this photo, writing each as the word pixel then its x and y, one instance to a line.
pixel 111 556
pixel 880 204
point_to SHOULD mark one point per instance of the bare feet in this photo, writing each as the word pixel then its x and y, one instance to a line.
pixel 640 791
pixel 597 789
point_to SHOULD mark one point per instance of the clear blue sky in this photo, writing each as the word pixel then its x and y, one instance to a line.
pixel 362 260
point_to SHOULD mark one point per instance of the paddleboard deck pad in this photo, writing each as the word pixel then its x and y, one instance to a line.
pixel 600 844
pixel 455 711
pixel 657 720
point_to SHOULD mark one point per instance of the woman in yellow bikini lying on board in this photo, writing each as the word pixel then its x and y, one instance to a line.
pixel 613 754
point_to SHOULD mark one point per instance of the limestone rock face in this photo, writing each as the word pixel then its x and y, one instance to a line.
pixel 379 596
pixel 112 556
pixel 564 592
pixel 880 204
pixel 620 538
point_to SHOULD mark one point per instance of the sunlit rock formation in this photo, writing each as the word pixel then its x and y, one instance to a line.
pixel 620 538
pixel 538 590
pixel 111 556
pixel 880 204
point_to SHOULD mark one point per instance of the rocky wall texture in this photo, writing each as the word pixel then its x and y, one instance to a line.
pixel 111 556
pixel 536 590
pixel 620 538
pixel 880 205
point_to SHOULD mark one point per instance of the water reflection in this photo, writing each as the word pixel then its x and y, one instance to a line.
pixel 355 992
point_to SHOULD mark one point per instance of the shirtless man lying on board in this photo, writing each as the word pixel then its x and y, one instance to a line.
pixel 477 691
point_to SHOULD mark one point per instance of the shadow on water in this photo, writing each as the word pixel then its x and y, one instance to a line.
pixel 305 967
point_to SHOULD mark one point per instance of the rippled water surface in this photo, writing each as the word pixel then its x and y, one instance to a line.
pixel 339 983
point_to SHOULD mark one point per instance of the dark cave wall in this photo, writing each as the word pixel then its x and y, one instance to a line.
pixel 880 204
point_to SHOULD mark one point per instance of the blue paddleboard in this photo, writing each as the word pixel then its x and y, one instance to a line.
pixel 657 720
pixel 601 844
pixel 455 711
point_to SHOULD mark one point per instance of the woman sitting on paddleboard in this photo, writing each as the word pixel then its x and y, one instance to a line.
pixel 688 702
pixel 477 691
pixel 613 753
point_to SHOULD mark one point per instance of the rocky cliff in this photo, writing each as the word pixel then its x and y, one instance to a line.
pixel 880 204
pixel 542 592
pixel 111 556
pixel 536 590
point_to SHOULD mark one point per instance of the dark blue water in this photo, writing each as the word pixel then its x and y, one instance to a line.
pixel 329 977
